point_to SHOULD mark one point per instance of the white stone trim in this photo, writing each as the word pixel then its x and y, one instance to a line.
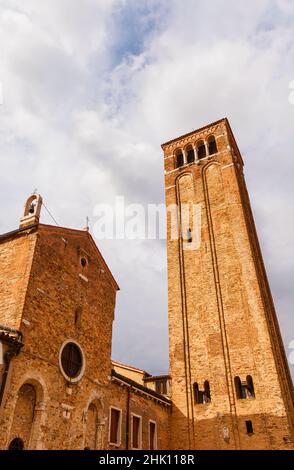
pixel 170 187
pixel 228 166
pixel 83 277
pixel 169 156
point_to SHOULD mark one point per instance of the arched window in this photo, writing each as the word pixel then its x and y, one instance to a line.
pixel 179 159
pixel 16 444
pixel 207 396
pixel 32 210
pixel 250 387
pixel 84 262
pixel 31 205
pixel 201 150
pixel 212 147
pixel 244 389
pixel 198 395
pixel 195 392
pixel 201 396
pixel 190 155
pixel 238 388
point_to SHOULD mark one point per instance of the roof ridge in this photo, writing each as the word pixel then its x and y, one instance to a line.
pixel 143 388
pixel 129 366
pixel 194 131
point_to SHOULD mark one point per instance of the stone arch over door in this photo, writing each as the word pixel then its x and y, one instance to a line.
pixel 28 414
pixel 94 426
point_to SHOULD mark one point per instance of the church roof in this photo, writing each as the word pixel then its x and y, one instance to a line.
pixel 63 230
pixel 195 131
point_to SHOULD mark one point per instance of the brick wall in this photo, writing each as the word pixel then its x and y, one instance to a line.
pixel 222 323
pixel 55 285
pixel 16 256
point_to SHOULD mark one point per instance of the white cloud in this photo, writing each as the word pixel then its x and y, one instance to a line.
pixel 82 130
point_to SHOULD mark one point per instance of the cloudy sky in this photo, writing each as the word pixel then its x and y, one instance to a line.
pixel 91 88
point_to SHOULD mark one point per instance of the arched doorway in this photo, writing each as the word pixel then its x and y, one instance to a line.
pixel 23 418
pixel 16 444
pixel 91 427
pixel 94 427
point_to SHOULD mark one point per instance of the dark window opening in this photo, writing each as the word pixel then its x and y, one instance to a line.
pixel 189 236
pixel 201 150
pixel 198 395
pixel 136 432
pixel 161 387
pixel 244 389
pixel 114 426
pixel 190 155
pixel 202 396
pixel 84 262
pixel 238 388
pixel 16 444
pixel 71 360
pixel 206 397
pixel 152 436
pixel 179 159
pixel 249 427
pixel 250 387
pixel 212 147
pixel 33 206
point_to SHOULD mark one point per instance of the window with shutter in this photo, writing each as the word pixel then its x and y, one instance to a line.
pixel 71 360
pixel 152 435
pixel 114 426
pixel 136 432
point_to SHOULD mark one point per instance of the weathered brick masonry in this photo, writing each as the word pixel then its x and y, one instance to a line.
pixel 230 383
pixel 44 287
pixel 222 322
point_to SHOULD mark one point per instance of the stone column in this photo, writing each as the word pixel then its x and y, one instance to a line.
pixel 195 153
pixel 36 437
pixel 206 147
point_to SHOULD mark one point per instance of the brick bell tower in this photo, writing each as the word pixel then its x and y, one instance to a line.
pixel 231 385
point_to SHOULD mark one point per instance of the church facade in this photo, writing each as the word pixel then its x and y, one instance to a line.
pixel 229 385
